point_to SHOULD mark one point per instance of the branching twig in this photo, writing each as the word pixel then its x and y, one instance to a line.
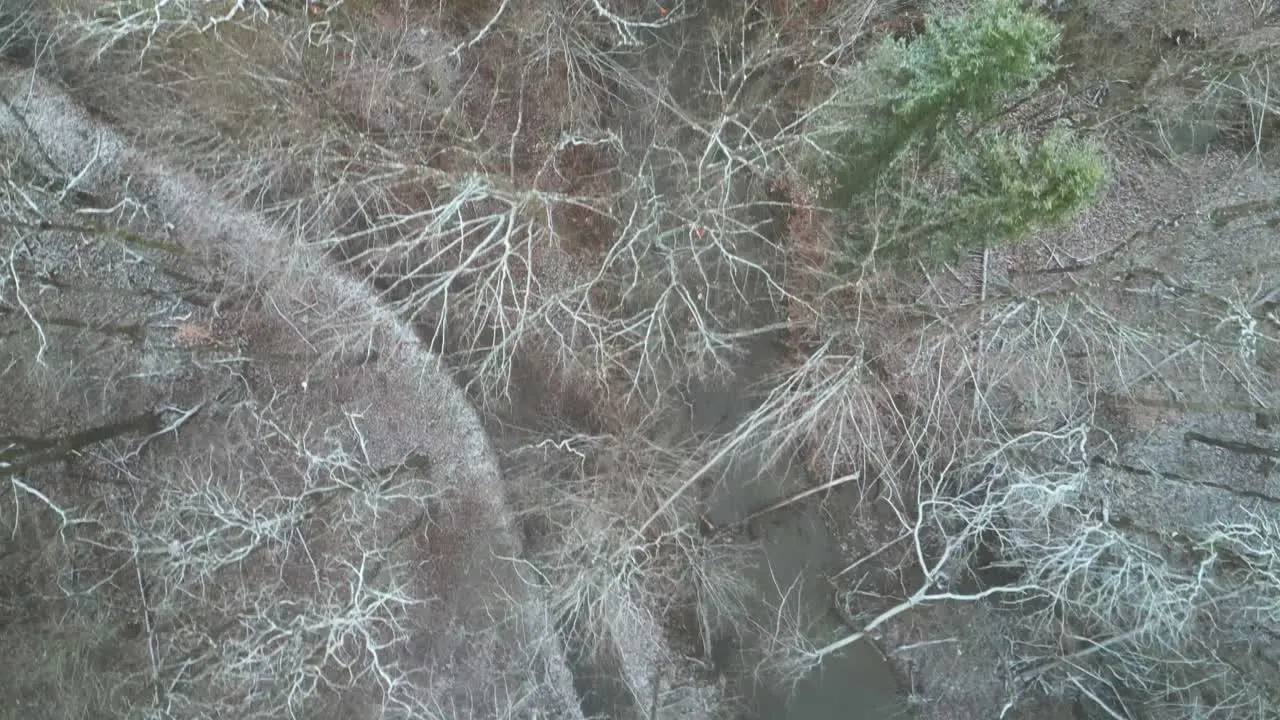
pixel 17 293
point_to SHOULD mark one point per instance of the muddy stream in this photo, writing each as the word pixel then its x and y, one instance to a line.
pixel 797 552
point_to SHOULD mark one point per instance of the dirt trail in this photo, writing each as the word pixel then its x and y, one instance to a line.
pixel 413 406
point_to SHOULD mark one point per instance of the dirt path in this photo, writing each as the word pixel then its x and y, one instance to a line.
pixel 411 407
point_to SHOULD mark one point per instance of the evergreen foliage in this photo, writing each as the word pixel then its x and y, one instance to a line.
pixel 931 147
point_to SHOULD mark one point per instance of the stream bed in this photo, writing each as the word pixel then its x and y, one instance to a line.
pixel 797 552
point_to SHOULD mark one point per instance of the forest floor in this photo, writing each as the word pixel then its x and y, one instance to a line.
pixel 495 359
